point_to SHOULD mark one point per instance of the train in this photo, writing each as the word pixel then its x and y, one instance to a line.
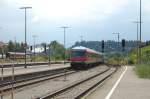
pixel 17 55
pixel 83 58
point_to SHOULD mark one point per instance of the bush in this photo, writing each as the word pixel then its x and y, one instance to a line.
pixel 40 58
pixel 143 71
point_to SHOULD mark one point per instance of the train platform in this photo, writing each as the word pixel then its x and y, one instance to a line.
pixel 18 64
pixel 31 69
pixel 125 84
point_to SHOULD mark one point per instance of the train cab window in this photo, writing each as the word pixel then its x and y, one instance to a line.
pixel 78 53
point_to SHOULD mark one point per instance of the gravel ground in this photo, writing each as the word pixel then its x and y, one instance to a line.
pixel 74 92
pixel 50 86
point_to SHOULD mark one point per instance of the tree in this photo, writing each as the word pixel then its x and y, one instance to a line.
pixel 10 46
pixel 57 50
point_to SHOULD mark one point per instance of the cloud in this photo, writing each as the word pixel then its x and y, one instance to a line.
pixel 71 9
pixel 77 8
pixel 146 6
pixel 35 19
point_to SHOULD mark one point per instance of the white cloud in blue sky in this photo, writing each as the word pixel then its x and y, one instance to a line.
pixel 94 19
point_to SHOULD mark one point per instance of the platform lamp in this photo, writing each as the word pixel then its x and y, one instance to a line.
pixel 2 69
pixel 25 9
pixel 64 27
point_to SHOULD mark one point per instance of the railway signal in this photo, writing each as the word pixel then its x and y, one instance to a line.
pixel 31 48
pixel 123 44
pixel 45 48
pixel 103 45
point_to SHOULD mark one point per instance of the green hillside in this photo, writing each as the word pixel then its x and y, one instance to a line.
pixel 142 70
pixel 145 55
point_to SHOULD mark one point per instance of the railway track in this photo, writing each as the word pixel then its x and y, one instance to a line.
pixel 32 75
pixel 80 88
pixel 35 79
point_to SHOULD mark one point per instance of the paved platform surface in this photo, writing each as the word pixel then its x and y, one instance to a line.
pixel 30 69
pixel 130 87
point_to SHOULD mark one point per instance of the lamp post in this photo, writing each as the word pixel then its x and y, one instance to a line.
pixel 2 67
pixel 64 27
pixel 2 70
pixel 25 9
pixel 13 71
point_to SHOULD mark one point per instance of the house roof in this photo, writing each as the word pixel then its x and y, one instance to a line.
pixel 2 44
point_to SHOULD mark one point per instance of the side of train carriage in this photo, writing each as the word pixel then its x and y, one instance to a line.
pixel 82 57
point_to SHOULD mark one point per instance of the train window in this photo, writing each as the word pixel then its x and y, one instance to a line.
pixel 78 53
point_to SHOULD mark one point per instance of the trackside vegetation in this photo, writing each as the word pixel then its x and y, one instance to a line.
pixel 145 58
pixel 143 70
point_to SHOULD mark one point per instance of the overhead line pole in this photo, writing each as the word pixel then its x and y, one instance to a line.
pixel 81 37
pixel 137 22
pixel 140 61
pixel 118 34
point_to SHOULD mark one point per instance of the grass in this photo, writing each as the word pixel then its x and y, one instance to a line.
pixel 145 55
pixel 143 70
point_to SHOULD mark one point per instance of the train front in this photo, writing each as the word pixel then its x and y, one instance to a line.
pixel 78 58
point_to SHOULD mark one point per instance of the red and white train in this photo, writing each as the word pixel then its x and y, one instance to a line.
pixel 82 57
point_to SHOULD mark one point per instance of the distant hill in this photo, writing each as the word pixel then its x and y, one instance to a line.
pixel 110 46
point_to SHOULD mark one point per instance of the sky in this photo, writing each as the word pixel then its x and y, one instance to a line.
pixel 95 20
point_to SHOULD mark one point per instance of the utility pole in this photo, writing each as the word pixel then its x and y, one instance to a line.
pixel 140 61
pixel 64 27
pixel 137 22
pixel 25 9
